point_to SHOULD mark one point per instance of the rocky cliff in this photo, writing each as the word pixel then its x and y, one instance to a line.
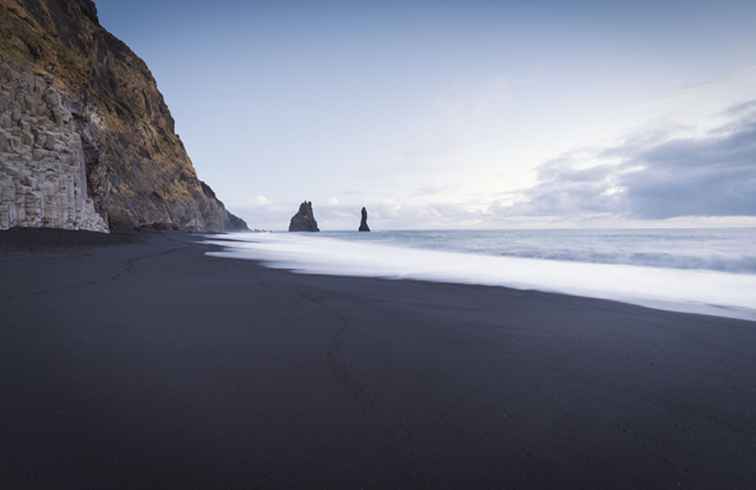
pixel 304 220
pixel 86 139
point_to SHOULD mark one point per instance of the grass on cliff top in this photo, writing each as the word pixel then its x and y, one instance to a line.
pixel 23 42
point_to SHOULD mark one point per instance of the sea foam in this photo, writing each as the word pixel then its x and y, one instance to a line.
pixel 686 290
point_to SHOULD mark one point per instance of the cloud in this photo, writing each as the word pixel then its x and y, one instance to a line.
pixel 262 200
pixel 670 176
pixel 655 176
pixel 744 107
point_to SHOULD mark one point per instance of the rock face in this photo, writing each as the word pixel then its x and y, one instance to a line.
pixel 86 139
pixel 363 222
pixel 304 220
pixel 43 175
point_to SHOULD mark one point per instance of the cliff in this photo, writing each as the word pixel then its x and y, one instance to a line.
pixel 304 220
pixel 86 139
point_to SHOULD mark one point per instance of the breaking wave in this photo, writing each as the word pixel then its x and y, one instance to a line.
pixel 711 292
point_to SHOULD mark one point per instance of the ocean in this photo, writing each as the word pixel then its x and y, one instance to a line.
pixel 710 271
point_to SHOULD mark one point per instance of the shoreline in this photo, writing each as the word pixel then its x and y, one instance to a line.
pixel 147 363
pixel 685 290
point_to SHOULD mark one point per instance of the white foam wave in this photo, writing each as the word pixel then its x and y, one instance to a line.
pixel 694 291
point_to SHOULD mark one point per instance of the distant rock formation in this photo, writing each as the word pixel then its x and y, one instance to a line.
pixel 86 139
pixel 304 220
pixel 363 223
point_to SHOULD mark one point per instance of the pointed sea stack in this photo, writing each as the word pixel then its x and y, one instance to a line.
pixel 363 223
pixel 304 220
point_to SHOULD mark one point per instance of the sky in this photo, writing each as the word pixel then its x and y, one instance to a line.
pixel 475 114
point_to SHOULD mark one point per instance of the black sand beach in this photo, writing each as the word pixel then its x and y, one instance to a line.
pixel 139 362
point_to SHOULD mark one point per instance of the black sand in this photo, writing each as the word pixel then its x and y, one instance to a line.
pixel 146 364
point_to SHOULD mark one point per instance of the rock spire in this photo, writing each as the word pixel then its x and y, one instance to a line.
pixel 304 220
pixel 363 222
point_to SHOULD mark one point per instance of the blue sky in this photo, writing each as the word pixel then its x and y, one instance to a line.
pixel 459 114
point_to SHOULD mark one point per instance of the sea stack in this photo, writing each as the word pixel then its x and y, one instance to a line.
pixel 363 222
pixel 304 220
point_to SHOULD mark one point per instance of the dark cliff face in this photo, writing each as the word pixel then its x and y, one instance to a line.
pixel 91 98
pixel 304 220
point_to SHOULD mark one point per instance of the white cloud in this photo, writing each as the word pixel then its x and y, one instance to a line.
pixel 709 174
pixel 262 200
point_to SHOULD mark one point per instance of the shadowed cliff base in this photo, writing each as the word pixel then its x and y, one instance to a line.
pixel 150 364
pixel 50 240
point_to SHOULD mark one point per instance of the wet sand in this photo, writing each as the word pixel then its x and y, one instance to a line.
pixel 137 361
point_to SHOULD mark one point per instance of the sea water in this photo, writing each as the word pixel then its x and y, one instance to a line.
pixel 711 271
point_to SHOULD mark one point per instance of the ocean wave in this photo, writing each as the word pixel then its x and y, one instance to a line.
pixel 695 291
pixel 742 264
pixel 718 250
